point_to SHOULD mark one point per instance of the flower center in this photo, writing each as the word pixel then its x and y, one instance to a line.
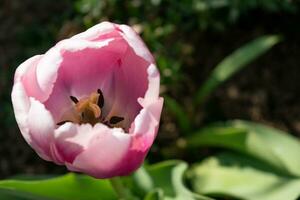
pixel 89 110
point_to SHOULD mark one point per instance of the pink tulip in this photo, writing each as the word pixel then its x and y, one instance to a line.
pixel 91 102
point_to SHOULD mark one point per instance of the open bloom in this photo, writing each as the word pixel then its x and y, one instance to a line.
pixel 91 102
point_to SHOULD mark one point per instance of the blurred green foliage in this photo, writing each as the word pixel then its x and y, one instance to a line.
pixel 234 63
pixel 264 166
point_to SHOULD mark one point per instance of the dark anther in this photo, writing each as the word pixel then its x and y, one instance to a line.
pixel 101 99
pixel 115 119
pixel 74 99
pixel 62 122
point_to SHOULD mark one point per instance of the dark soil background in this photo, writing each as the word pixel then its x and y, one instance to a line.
pixel 189 43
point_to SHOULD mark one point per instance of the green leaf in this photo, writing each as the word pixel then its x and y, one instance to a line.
pixel 235 62
pixel 275 147
pixel 142 180
pixel 4 196
pixel 178 111
pixel 168 177
pixel 242 177
pixel 70 186
pixel 156 194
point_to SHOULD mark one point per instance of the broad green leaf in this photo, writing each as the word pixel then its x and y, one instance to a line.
pixel 273 146
pixel 142 180
pixel 235 62
pixel 5 196
pixel 242 177
pixel 70 186
pixel 178 111
pixel 156 194
pixel 168 177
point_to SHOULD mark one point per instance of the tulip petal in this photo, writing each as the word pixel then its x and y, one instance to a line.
pixel 134 71
pixel 82 72
pixel 75 137
pixel 19 96
pixel 96 32
pixel 136 43
pixel 25 66
pixel 41 130
pixel 46 72
pixel 143 133
pixel 104 152
pixel 21 107
pixel 153 85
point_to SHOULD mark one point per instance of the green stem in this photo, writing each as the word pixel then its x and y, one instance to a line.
pixel 121 190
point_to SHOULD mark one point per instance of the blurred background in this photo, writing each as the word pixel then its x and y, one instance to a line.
pixel 188 38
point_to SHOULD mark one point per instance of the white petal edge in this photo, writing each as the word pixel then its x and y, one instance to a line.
pixel 152 92
pixel 24 67
pixel 21 105
pixel 48 66
pixel 19 97
pixel 127 33
pixel 136 43
pixel 147 121
pixel 95 31
pixel 41 127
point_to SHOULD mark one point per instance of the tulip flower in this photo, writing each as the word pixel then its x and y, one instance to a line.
pixel 91 102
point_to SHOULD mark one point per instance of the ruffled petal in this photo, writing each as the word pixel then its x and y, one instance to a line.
pixel 143 132
pixel 75 137
pixel 104 152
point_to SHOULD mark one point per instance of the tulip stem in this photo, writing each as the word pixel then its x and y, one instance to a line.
pixel 122 192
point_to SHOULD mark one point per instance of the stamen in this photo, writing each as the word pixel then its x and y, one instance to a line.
pixel 82 105
pixel 100 99
pixel 89 110
pixel 95 109
pixel 115 119
pixel 94 97
pixel 74 99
